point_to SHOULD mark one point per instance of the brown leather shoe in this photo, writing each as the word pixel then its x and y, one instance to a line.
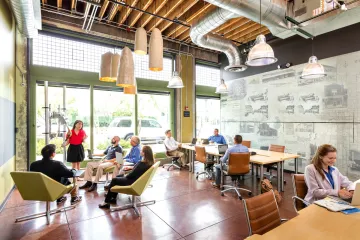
pixel 93 187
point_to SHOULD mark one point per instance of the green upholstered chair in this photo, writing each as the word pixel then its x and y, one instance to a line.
pixel 35 186
pixel 136 189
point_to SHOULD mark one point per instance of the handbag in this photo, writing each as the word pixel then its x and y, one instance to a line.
pixel 266 186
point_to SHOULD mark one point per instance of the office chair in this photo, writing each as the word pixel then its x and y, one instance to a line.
pixel 238 165
pixel 273 148
pixel 300 191
pixel 262 213
pixel 174 161
pixel 201 156
pixel 246 143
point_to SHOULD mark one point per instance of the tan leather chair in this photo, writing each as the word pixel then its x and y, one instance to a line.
pixel 262 213
pixel 201 156
pixel 273 148
pixel 246 143
pixel 174 161
pixel 300 191
pixel 238 165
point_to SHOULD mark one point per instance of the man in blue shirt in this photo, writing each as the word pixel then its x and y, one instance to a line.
pixel 237 148
pixel 133 157
pixel 217 138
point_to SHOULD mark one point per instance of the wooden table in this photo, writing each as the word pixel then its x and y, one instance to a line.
pixel 316 222
pixel 261 158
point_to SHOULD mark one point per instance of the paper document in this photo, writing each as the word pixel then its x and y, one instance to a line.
pixel 333 204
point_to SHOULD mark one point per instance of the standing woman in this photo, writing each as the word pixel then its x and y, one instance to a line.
pixel 75 137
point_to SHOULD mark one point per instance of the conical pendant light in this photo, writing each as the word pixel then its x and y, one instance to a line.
pixel 156 51
pixel 125 76
pixel 261 53
pixel 222 88
pixel 109 67
pixel 313 69
pixel 131 90
pixel 176 81
pixel 140 41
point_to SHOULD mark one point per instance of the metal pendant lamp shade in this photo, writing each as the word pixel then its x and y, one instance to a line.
pixel 222 88
pixel 175 81
pixel 261 53
pixel 131 90
pixel 125 76
pixel 140 41
pixel 109 67
pixel 156 51
pixel 313 69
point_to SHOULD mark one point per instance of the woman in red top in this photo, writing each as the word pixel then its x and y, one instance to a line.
pixel 75 137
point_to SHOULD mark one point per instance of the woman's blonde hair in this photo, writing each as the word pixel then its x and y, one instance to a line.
pixel 148 155
pixel 321 152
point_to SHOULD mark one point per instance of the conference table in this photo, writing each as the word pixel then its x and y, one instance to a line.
pixel 315 222
pixel 261 158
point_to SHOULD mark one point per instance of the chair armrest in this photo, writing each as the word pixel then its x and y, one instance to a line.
pixel 119 188
pixel 300 199
pixel 283 220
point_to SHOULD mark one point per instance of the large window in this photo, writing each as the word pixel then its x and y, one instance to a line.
pixel 154 117
pixel 207 76
pixel 76 55
pixel 77 100
pixel 113 116
pixel 207 116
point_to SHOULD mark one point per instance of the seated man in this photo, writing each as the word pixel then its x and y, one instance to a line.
pixel 55 170
pixel 237 148
pixel 110 160
pixel 217 138
pixel 172 147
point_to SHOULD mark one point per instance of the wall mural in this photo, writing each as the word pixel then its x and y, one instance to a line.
pixel 280 108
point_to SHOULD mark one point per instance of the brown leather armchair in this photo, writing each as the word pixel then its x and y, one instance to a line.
pixel 201 156
pixel 238 165
pixel 246 143
pixel 300 191
pixel 262 213
pixel 273 148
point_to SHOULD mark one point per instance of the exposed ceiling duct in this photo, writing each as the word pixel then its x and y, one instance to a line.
pixel 27 16
pixel 272 14
pixel 200 35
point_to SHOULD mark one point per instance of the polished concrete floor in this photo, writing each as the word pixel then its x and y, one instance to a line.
pixel 185 208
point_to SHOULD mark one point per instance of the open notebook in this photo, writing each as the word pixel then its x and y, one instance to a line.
pixel 333 204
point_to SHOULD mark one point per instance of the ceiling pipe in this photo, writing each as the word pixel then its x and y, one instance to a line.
pixel 201 36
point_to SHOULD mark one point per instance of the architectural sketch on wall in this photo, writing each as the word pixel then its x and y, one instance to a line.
pixel 310 112
pixel 335 96
pixel 238 89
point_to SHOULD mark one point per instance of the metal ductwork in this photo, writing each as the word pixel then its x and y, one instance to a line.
pixel 27 15
pixel 200 35
pixel 273 13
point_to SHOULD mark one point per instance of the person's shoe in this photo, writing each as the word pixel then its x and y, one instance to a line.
pixel 75 199
pixel 61 200
pixel 111 201
pixel 215 185
pixel 93 187
pixel 104 205
pixel 107 187
pixel 86 185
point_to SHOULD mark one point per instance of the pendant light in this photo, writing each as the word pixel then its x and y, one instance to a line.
pixel 261 54
pixel 156 51
pixel 222 88
pixel 125 76
pixel 131 90
pixel 109 67
pixel 176 81
pixel 140 41
pixel 313 69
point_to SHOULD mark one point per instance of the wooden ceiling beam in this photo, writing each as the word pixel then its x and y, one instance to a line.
pixel 188 4
pixel 73 5
pixel 249 33
pixel 135 15
pixel 234 26
pixel 184 35
pixel 239 30
pixel 198 10
pixel 169 7
pixel 114 9
pixel 59 3
pixel 228 24
pixel 44 2
pixel 252 36
pixel 103 8
pixel 126 11
pixel 154 8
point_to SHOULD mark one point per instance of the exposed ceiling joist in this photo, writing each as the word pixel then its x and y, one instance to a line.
pixel 113 10
pixel 155 8
pixel 59 3
pixel 126 11
pixel 103 8
pixel 135 15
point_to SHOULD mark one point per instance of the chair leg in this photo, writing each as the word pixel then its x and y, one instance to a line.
pixel 236 189
pixel 47 213
pixel 107 178
pixel 133 205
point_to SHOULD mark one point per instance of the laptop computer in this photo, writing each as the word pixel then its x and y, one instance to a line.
pixel 205 141
pixel 193 142
pixel 222 148
pixel 119 158
pixel 355 200
pixel 90 155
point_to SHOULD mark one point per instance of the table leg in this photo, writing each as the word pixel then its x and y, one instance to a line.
pixel 257 170
pixel 252 169
pixel 193 160
pixel 188 153
pixel 261 172
pixel 296 166
pixel 282 175
pixel 279 179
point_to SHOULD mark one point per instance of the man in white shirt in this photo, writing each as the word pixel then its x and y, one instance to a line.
pixel 172 148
